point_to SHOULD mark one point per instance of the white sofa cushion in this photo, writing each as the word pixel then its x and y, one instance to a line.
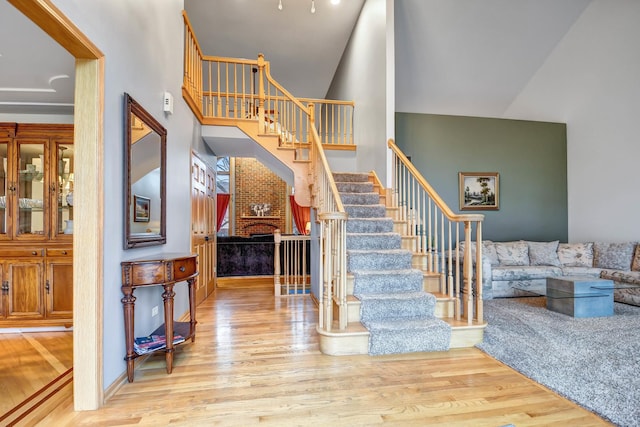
pixel 526 272
pixel 544 253
pixel 575 254
pixel 581 271
pixel 488 252
pixel 512 253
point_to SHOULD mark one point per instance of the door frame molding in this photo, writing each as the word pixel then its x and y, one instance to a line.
pixel 88 209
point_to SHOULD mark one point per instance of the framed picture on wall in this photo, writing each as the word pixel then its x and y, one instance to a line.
pixel 479 191
pixel 142 208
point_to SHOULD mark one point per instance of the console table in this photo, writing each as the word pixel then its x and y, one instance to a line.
pixel 164 270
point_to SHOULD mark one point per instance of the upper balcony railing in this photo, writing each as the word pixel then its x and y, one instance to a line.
pixel 224 90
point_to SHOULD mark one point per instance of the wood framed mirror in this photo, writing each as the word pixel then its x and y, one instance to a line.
pixel 145 161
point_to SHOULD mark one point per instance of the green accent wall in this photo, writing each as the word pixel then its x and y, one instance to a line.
pixel 531 158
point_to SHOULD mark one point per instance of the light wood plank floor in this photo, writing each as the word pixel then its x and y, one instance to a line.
pixel 29 361
pixel 256 361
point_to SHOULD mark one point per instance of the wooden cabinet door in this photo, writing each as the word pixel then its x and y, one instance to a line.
pixel 24 296
pixel 59 288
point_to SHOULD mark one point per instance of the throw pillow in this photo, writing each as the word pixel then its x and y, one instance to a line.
pixel 544 253
pixel 488 252
pixel 576 254
pixel 613 256
pixel 512 253
pixel 635 265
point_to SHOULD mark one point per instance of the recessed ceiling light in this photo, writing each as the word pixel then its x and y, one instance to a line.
pixel 335 1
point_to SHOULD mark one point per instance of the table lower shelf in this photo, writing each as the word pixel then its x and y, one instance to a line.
pixel 180 329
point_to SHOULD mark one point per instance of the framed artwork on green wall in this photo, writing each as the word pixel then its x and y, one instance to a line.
pixel 479 191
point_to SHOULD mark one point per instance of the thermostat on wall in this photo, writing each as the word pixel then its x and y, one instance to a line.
pixel 168 103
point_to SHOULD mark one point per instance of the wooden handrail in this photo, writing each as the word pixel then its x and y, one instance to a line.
pixel 434 230
pixel 429 189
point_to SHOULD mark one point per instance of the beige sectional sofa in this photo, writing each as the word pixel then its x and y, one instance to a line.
pixel 521 267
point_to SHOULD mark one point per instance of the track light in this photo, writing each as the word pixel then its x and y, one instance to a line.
pixel 313 6
pixel 279 4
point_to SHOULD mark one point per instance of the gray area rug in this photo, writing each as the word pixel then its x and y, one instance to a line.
pixel 594 362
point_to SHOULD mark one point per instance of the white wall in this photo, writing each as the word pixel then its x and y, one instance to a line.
pixel 142 41
pixel 590 81
pixel 361 77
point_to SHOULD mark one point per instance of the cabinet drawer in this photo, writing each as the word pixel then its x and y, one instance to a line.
pixel 59 252
pixel 184 268
pixel 36 252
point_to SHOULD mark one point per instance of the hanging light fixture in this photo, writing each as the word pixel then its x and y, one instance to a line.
pixel 313 6
pixel 279 4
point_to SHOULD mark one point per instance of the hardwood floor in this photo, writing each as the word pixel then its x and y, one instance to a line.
pixel 256 361
pixel 29 362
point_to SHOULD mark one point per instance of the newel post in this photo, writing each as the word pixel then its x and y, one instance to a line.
pixel 277 239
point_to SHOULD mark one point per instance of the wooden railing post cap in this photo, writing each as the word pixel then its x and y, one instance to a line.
pixel 277 235
pixel 260 59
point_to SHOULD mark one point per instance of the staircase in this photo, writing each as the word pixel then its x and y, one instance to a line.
pixel 395 310
pixel 390 276
pixel 392 308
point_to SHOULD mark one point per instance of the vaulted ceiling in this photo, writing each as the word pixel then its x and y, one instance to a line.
pixel 456 56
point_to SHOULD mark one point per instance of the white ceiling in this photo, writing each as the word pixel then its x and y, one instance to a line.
pixel 36 74
pixel 465 57
pixel 304 49
pixel 470 57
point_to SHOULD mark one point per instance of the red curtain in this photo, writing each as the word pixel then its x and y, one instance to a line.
pixel 301 215
pixel 222 203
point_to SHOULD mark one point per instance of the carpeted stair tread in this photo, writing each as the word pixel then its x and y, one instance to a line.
pixel 360 198
pixel 369 225
pixel 393 306
pixel 382 259
pixel 366 211
pixel 354 187
pixel 350 177
pixel 408 335
pixel 384 281
pixel 374 241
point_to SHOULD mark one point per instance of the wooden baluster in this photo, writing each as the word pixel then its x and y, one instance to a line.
pixel 277 239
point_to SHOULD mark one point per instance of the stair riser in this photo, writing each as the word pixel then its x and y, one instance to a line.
pixel 409 340
pixel 396 309
pixel 409 243
pixel 444 309
pixel 365 211
pixel 400 227
pixel 350 177
pixel 387 283
pixel 360 198
pixel 374 241
pixel 354 187
pixel 369 226
pixel 377 261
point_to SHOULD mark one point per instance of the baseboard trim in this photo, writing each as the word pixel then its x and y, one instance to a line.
pixel 262 282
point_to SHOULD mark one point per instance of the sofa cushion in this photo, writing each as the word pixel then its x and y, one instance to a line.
pixel 613 256
pixel 630 277
pixel 635 265
pixel 512 253
pixel 525 272
pixel 581 271
pixel 544 253
pixel 627 296
pixel 488 252
pixel 575 254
